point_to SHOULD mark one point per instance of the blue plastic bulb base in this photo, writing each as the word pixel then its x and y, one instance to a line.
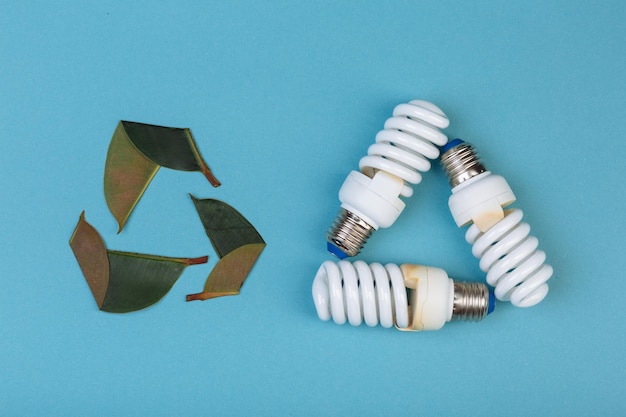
pixel 451 144
pixel 333 249
pixel 492 302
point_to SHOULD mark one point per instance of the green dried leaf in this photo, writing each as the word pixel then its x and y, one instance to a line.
pixel 136 153
pixel 237 243
pixel 124 281
pixel 226 227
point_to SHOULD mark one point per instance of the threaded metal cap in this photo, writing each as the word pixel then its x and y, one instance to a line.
pixel 348 234
pixel 461 162
pixel 472 301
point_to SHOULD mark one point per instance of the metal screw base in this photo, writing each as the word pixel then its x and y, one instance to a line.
pixel 349 232
pixel 471 301
pixel 461 163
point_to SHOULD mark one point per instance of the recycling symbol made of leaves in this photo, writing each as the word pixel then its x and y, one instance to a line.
pixel 126 281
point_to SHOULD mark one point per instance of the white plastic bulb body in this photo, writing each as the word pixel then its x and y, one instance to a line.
pixel 357 292
pixel 508 254
pixel 370 198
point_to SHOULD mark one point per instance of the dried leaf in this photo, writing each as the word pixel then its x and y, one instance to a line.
pixel 230 272
pixel 237 243
pixel 124 281
pixel 225 226
pixel 136 153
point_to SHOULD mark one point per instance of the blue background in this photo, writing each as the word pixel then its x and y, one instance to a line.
pixel 283 99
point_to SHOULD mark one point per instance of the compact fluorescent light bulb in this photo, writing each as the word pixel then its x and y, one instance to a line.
pixel 509 256
pixel 375 293
pixel 370 197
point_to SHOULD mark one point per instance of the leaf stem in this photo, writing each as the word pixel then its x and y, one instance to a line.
pixel 209 176
pixel 208 295
pixel 197 261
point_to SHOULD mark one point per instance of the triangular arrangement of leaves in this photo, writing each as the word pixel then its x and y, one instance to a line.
pixel 124 281
pixel 237 243
pixel 136 153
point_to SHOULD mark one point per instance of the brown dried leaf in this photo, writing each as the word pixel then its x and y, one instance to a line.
pixel 230 272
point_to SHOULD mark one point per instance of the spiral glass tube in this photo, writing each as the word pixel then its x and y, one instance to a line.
pixel 508 254
pixel 411 297
pixel 370 197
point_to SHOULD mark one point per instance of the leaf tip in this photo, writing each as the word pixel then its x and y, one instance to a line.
pixel 121 222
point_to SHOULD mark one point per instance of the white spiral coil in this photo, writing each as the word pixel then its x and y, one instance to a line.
pixel 361 292
pixel 407 142
pixel 509 256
